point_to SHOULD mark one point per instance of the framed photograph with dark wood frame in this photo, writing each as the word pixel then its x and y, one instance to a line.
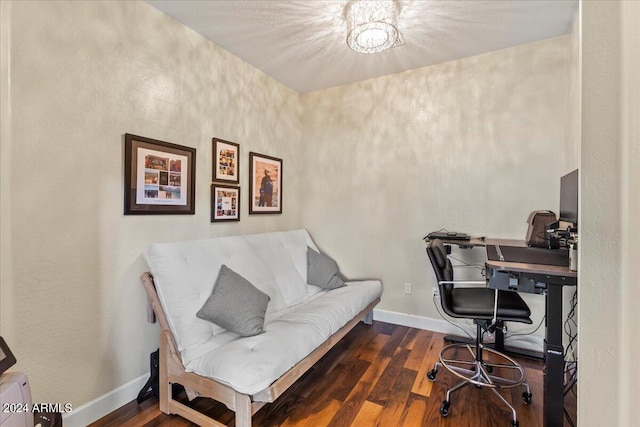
pixel 265 184
pixel 159 177
pixel 226 161
pixel 225 203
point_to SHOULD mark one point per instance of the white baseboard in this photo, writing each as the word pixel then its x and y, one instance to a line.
pixel 105 404
pixel 413 321
pixel 528 342
pixel 109 402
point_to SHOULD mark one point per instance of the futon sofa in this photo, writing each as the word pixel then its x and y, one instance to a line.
pixel 302 322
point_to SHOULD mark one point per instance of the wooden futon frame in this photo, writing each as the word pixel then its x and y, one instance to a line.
pixel 173 372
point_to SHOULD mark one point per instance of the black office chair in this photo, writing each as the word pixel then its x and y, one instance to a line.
pixel 488 308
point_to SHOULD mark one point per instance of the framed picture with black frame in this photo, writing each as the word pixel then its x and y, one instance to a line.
pixel 265 184
pixel 225 203
pixel 159 177
pixel 226 161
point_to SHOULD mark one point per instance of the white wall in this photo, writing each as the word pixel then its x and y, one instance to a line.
pixel 609 271
pixel 76 76
pixel 630 195
pixel 600 227
pixel 573 116
pixel 471 145
pixel 572 148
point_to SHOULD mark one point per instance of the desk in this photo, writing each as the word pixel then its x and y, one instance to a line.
pixel 547 280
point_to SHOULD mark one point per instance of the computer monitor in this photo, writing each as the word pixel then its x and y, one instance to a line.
pixel 569 198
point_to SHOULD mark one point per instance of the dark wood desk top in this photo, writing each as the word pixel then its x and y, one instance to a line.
pixel 548 270
pixel 551 270
pixel 481 241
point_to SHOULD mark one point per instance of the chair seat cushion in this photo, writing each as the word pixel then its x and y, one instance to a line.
pixel 477 303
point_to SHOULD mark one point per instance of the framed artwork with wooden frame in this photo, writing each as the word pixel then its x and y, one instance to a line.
pixel 226 161
pixel 159 177
pixel 225 203
pixel 265 184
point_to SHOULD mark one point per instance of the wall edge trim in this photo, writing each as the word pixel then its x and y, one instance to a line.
pixel 105 404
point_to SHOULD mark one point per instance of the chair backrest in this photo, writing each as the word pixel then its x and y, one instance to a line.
pixel 444 272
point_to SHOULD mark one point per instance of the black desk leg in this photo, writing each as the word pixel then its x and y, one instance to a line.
pixel 554 354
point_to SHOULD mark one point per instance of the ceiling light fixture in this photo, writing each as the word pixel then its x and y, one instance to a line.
pixel 372 24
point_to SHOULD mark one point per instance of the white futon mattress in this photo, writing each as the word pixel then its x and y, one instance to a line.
pixel 251 364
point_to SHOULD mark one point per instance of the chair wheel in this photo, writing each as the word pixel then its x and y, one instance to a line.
pixel 488 368
pixel 514 423
pixel 526 397
pixel 431 375
pixel 444 409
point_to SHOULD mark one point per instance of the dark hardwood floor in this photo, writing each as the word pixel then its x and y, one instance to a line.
pixel 375 376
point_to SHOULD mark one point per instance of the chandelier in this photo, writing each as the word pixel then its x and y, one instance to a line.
pixel 372 24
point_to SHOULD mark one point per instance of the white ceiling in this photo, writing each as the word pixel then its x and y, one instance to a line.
pixel 302 43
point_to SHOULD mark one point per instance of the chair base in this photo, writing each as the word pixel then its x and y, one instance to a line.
pixel 472 368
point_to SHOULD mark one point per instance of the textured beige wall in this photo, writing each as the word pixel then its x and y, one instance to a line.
pixel 81 75
pixel 472 145
pixel 572 147
pixel 599 250
pixel 609 226
pixel 6 291
pixel 629 342
pixel 573 138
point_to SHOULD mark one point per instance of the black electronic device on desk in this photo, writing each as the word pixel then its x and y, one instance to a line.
pixel 447 235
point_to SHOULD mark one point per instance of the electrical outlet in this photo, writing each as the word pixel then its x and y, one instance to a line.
pixel 407 288
pixel 436 293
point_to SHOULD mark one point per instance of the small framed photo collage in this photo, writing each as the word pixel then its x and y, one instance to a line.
pixel 225 199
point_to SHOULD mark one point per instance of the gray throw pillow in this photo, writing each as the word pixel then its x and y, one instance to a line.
pixel 235 304
pixel 322 271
